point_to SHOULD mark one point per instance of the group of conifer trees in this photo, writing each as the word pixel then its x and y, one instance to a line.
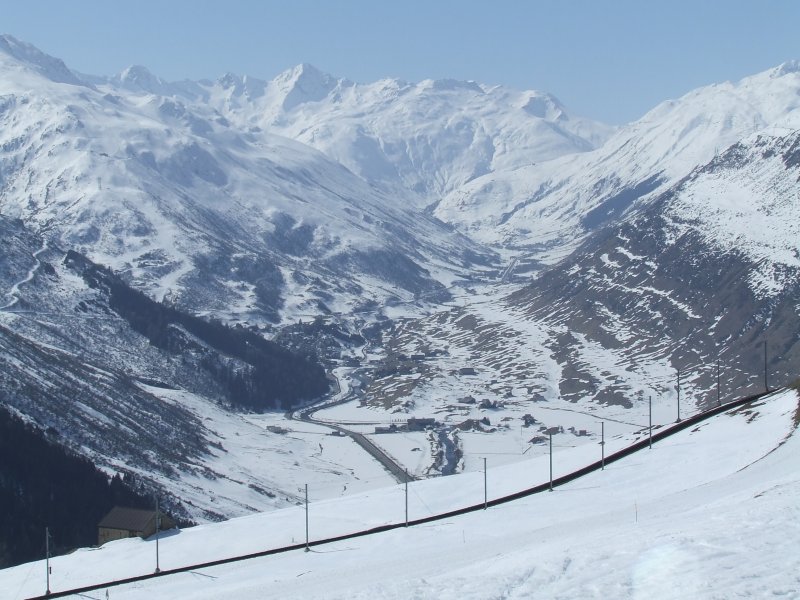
pixel 44 485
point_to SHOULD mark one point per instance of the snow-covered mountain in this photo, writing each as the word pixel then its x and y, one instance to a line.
pixel 429 138
pixel 78 363
pixel 21 61
pixel 706 273
pixel 697 271
pixel 684 291
pixel 246 225
pixel 419 141
pixel 548 207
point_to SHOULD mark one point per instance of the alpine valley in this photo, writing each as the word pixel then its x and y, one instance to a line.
pixel 223 290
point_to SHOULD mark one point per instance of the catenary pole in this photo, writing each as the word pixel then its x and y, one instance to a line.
pixel 679 395
pixel 158 527
pixel 551 462
pixel 307 548
pixel 47 557
pixel 406 472
pixel 650 421
pixel 603 445
pixel 485 488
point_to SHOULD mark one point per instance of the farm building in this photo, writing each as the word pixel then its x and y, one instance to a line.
pixel 123 522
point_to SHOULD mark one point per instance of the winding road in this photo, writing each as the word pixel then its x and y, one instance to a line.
pixel 14 291
pixel 394 468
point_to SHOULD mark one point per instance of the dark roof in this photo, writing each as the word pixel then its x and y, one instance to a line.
pixel 130 519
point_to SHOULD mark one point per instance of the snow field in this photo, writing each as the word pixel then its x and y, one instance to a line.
pixel 263 452
pixel 708 513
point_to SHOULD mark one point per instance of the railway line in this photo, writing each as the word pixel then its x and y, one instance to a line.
pixel 638 446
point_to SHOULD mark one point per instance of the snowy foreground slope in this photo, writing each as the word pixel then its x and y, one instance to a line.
pixel 708 513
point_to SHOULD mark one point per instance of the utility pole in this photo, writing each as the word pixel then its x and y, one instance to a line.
pixel 158 527
pixel 485 489
pixel 766 384
pixel 719 401
pixel 47 557
pixel 650 421
pixel 406 472
pixel 307 548
pixel 602 445
pixel 679 395
pixel 551 462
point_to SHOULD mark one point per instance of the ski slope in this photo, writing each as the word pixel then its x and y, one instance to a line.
pixel 710 512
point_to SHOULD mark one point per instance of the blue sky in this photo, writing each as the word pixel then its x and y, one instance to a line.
pixel 608 60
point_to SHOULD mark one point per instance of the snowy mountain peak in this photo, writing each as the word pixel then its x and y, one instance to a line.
pixel 544 106
pixel 139 79
pixel 229 80
pixel 306 72
pixel 787 68
pixel 451 85
pixel 304 83
pixel 239 85
pixel 30 57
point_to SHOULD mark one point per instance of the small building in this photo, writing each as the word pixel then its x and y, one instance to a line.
pixel 121 523
pixel 415 424
pixel 555 430
pixel 390 429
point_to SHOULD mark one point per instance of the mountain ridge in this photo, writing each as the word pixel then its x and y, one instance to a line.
pixel 662 147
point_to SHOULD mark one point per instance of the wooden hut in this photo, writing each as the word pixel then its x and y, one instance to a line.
pixel 121 523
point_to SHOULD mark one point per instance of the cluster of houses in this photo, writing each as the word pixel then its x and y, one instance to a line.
pixel 412 424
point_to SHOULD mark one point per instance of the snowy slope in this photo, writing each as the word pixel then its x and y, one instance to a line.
pixel 705 271
pixel 26 61
pixel 73 367
pixel 417 142
pixel 244 224
pixel 746 201
pixel 428 138
pixel 547 206
pixel 701 515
